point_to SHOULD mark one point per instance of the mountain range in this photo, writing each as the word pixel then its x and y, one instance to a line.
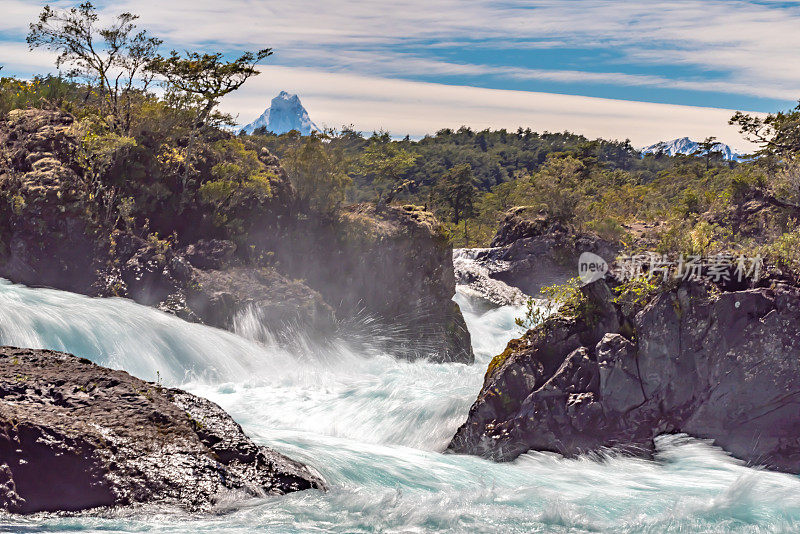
pixel 284 114
pixel 684 145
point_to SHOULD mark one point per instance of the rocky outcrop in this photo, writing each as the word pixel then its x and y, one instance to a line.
pixel 724 367
pixel 205 282
pixel 220 296
pixel 475 276
pixel 46 237
pixel 388 269
pixel 75 436
pixel 531 251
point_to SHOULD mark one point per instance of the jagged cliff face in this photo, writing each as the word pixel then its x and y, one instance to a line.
pixel 724 367
pixel 392 265
pixel 46 237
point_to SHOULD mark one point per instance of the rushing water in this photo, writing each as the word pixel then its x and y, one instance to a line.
pixel 375 428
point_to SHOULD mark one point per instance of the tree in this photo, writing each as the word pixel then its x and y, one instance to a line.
pixel 111 59
pixel 383 164
pixel 779 137
pixel 707 149
pixel 241 187
pixel 777 133
pixel 456 191
pixel 317 171
pixel 555 189
pixel 201 81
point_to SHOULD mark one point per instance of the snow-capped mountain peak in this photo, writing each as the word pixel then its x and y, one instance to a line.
pixel 285 113
pixel 684 145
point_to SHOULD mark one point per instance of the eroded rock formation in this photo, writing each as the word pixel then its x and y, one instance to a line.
pixel 390 264
pixel 531 251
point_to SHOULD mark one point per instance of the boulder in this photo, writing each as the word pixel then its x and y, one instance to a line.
pixel 75 436
pixel 219 297
pixel 205 283
pixel 719 366
pixel 531 251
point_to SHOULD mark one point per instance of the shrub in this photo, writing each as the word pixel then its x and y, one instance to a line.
pixel 566 299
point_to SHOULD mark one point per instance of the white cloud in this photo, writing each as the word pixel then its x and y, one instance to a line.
pixel 403 64
pixel 747 48
pixel 750 46
pixel 416 108
pixel 16 15
pixel 16 58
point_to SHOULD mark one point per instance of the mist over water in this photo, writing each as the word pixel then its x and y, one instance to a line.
pixel 375 427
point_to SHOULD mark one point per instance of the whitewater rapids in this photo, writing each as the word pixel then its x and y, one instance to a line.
pixel 375 428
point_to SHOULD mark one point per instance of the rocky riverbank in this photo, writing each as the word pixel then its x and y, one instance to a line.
pixel 723 366
pixel 530 251
pixel 75 436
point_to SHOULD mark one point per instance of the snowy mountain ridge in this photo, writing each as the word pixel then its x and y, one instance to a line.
pixel 684 145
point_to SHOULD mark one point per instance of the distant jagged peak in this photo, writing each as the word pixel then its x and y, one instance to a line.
pixel 284 114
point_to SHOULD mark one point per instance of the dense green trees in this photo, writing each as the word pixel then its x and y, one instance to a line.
pixel 318 173
pixel 456 193
pixel 146 155
pixel 777 133
pixel 596 185
pixel 199 82
pixel 382 165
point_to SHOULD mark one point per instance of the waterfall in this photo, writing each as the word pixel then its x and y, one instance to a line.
pixel 473 274
pixel 376 426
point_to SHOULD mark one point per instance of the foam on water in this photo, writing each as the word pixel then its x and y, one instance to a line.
pixel 375 426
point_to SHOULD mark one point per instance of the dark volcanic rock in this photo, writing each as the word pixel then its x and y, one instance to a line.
pixel 723 367
pixel 74 436
pixel 389 267
pixel 393 264
pixel 219 296
pixel 531 251
pixel 210 254
pixel 46 237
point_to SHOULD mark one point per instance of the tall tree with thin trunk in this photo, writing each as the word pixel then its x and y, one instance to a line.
pixel 110 58
pixel 707 149
pixel 203 80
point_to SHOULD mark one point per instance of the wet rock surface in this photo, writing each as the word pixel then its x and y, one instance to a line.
pixel 75 436
pixel 476 276
pixel 388 271
pixel 724 367
pixel 220 297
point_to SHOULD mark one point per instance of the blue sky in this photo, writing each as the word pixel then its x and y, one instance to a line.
pixel 386 55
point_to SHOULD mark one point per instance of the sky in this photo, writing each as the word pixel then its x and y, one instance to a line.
pixel 646 71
